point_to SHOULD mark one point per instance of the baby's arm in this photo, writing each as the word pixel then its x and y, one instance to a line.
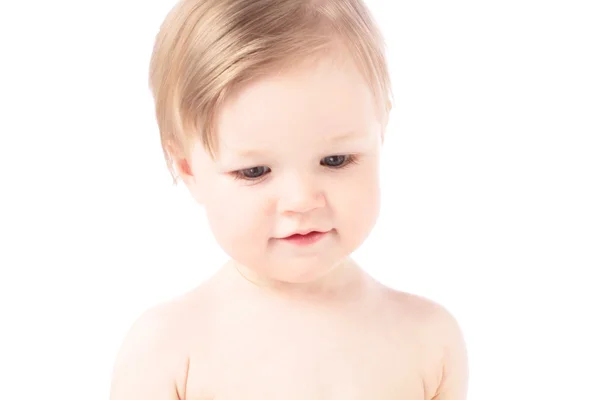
pixel 147 363
pixel 455 370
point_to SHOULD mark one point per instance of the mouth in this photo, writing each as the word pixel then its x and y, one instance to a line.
pixel 305 238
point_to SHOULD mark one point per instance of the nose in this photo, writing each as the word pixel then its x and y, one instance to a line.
pixel 300 195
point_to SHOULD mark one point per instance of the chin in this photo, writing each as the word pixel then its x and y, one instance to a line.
pixel 304 271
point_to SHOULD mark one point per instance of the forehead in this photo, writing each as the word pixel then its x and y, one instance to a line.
pixel 313 102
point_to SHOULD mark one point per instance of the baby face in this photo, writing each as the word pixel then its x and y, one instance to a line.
pixel 294 188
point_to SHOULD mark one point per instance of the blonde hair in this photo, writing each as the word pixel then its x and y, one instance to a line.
pixel 205 49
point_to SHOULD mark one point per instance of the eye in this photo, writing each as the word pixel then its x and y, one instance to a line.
pixel 337 161
pixel 252 173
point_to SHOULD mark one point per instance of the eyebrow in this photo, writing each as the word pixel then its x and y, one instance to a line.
pixel 249 153
pixel 342 137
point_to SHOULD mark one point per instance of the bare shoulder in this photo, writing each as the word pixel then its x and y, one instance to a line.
pixel 430 315
pixel 153 359
pixel 440 335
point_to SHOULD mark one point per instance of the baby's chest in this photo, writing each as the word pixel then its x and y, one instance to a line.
pixel 346 369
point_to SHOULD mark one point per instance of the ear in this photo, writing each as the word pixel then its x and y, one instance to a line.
pixel 385 120
pixel 383 129
pixel 185 170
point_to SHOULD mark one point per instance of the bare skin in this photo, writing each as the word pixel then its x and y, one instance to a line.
pixel 232 339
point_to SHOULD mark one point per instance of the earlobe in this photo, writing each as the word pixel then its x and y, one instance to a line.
pixel 188 172
pixel 386 120
pixel 190 180
pixel 180 163
pixel 183 169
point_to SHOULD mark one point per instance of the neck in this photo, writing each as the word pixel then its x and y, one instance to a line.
pixel 343 281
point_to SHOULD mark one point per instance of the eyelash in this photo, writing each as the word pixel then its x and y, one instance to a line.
pixel 350 160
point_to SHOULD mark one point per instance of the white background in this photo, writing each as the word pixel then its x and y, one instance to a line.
pixel 491 189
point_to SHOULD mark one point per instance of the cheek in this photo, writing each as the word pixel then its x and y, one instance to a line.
pixel 359 202
pixel 236 214
pixel 366 202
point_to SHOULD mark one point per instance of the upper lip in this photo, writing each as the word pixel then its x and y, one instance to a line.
pixel 304 232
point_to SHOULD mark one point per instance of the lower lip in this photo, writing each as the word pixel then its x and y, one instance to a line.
pixel 305 240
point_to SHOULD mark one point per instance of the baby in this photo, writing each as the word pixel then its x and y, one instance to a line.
pixel 273 114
